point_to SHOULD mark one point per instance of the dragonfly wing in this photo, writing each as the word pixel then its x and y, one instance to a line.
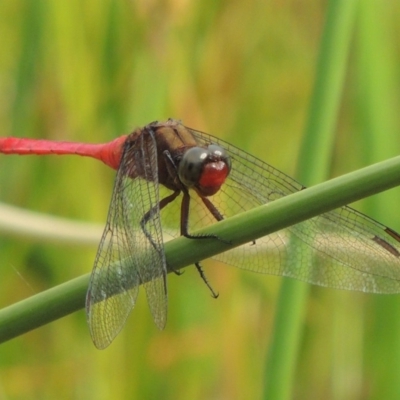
pixel 130 252
pixel 347 250
pixel 153 268
pixel 342 248
pixel 114 282
pixel 112 293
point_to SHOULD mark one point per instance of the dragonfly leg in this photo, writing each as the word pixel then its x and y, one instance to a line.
pixel 150 214
pixel 203 276
pixel 161 204
pixel 178 272
pixel 213 210
pixel 185 219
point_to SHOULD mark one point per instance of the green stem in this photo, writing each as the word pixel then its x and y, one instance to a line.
pixel 66 298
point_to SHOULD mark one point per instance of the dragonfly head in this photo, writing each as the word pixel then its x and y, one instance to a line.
pixel 204 169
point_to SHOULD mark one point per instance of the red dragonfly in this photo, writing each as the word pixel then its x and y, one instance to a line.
pixel 164 160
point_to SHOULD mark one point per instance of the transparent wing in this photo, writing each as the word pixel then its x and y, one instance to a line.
pixel 341 249
pixel 130 252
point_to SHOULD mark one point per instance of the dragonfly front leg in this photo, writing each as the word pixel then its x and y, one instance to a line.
pixel 152 213
pixel 163 203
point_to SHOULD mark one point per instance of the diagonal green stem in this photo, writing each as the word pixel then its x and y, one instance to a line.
pixel 68 297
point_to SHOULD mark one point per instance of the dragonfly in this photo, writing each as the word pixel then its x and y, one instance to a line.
pixel 165 161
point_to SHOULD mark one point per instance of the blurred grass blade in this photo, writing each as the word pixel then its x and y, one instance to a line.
pixel 378 116
pixel 315 159
pixel 43 227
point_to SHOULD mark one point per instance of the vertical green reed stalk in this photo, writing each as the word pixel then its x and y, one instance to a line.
pixel 378 113
pixel 314 162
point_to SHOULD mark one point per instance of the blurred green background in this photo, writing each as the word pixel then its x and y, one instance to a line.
pixel 244 71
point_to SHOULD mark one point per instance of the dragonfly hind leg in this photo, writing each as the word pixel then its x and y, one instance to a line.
pixel 203 276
